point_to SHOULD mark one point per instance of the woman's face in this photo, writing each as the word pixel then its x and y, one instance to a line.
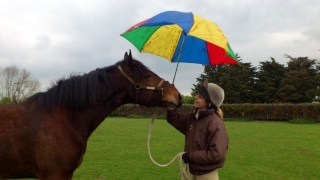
pixel 200 102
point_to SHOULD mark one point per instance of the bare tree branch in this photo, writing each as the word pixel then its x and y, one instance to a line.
pixel 17 84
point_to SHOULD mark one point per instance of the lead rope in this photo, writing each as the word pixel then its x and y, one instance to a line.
pixel 184 169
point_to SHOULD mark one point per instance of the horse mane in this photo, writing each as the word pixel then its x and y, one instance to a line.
pixel 79 91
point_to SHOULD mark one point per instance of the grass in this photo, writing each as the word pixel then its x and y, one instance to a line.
pixel 117 150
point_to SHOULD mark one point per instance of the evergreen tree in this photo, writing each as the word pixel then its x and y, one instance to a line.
pixel 301 83
pixel 236 80
pixel 317 98
pixel 268 81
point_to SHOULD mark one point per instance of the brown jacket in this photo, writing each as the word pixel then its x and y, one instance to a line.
pixel 206 139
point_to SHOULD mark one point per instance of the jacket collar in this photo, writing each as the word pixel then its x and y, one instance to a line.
pixel 203 114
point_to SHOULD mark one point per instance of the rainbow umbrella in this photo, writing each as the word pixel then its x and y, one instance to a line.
pixel 182 37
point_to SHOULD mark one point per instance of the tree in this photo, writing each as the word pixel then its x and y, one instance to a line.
pixel 317 98
pixel 236 80
pixel 268 82
pixel 238 83
pixel 186 99
pixel 17 84
pixel 301 83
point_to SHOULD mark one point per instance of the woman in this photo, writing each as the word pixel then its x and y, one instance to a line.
pixel 206 138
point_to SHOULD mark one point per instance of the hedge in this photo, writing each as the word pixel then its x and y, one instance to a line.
pixel 265 112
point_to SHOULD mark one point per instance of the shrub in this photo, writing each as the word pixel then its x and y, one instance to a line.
pixel 302 121
pixel 6 100
pixel 263 112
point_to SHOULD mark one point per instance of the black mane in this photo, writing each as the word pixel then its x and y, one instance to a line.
pixel 79 91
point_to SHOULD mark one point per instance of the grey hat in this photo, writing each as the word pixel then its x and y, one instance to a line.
pixel 215 92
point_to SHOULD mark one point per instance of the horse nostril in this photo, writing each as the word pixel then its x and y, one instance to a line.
pixel 180 98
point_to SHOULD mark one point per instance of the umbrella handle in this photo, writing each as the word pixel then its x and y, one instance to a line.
pixel 184 36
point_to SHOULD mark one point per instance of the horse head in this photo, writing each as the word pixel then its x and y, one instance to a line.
pixel 146 87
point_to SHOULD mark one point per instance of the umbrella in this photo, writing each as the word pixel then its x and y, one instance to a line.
pixel 181 37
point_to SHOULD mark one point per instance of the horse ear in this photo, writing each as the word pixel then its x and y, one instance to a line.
pixel 125 56
pixel 130 55
pixel 128 58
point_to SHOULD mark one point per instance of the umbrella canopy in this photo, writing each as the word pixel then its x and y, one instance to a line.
pixel 182 37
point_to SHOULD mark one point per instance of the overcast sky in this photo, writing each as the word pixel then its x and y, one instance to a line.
pixel 53 39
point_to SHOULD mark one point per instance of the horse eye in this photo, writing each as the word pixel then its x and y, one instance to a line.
pixel 147 76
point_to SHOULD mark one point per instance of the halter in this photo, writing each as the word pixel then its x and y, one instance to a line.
pixel 137 86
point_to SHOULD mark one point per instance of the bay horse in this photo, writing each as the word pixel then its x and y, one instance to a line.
pixel 46 135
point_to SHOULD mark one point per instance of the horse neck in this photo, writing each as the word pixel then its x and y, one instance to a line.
pixel 89 119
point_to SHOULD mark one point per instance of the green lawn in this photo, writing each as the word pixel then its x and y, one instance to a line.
pixel 117 150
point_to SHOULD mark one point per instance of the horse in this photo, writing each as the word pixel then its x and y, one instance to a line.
pixel 45 136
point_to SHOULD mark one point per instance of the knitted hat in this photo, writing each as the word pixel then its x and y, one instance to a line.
pixel 212 93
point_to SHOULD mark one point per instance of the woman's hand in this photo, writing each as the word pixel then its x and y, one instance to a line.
pixel 186 157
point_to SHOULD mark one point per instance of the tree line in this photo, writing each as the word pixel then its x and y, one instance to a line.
pixel 271 82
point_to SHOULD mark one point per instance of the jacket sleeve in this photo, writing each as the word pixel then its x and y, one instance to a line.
pixel 179 120
pixel 218 145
